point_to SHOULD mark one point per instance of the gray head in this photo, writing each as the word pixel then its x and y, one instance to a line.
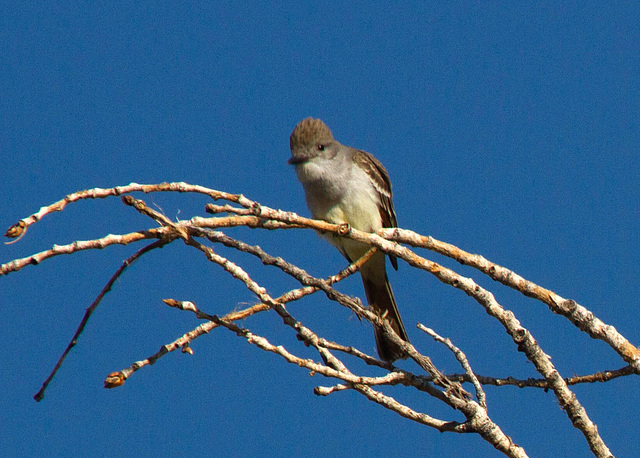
pixel 311 138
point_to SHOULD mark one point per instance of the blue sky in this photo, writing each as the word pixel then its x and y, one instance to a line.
pixel 510 131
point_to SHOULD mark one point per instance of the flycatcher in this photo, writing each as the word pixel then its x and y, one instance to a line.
pixel 346 185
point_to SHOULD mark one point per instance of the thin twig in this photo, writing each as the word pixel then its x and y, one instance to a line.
pixel 118 378
pixel 602 376
pixel 462 359
pixel 579 315
pixel 316 368
pixel 80 245
pixel 157 244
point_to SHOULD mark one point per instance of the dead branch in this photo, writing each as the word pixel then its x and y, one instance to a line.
pixel 198 232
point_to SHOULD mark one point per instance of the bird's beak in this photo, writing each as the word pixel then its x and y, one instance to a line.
pixel 300 156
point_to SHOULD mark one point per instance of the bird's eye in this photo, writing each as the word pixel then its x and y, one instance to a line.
pixel 320 147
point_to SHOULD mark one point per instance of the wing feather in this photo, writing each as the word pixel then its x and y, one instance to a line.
pixel 382 183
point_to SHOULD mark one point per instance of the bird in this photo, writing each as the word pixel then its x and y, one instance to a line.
pixel 347 185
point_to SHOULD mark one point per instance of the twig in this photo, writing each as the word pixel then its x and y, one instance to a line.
pixel 97 244
pixel 118 378
pixel 316 368
pixel 462 359
pixel 603 376
pixel 519 334
pixel 18 229
pixel 158 244
pixel 584 319
pixel 579 315
pixel 476 415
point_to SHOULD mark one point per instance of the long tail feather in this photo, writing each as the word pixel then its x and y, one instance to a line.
pixel 381 300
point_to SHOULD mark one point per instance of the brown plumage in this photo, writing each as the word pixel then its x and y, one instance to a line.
pixel 309 132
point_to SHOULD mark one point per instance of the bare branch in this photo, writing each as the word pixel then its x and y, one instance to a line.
pixel 158 244
pixel 462 358
pixel 244 212
pixel 602 377
pixel 580 316
pixel 184 340
pixel 476 415
pixel 577 314
pixel 80 245
pixel 317 368
pixel 19 228
pixel 520 335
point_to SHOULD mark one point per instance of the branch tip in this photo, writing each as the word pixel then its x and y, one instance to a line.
pixel 16 232
pixel 114 380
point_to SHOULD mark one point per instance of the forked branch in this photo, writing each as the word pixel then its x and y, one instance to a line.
pixel 334 358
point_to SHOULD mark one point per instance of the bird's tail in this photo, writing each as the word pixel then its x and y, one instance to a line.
pixel 381 300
